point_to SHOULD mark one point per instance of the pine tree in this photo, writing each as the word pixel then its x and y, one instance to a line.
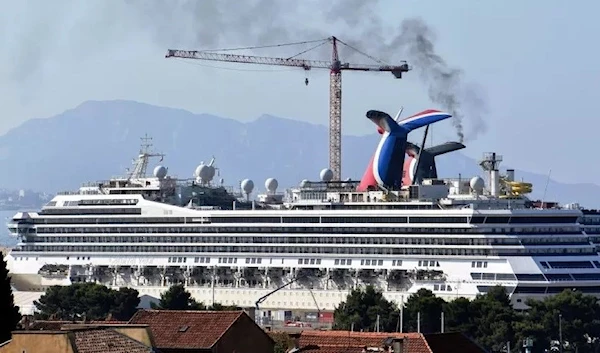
pixel 10 313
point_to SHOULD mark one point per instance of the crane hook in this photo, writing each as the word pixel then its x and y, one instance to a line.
pixel 306 81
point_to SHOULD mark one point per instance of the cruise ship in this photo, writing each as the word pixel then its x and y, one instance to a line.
pixel 400 228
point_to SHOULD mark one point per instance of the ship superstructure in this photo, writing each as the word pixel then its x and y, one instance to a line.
pixel 456 237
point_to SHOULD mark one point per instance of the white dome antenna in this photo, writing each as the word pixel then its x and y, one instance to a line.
pixel 247 187
pixel 326 175
pixel 205 172
pixel 271 185
pixel 477 184
pixel 160 172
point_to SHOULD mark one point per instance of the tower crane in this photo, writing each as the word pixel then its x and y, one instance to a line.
pixel 335 67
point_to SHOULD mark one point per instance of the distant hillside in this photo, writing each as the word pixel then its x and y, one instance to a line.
pixel 97 140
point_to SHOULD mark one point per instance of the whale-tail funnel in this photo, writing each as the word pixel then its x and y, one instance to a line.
pixel 386 165
pixel 427 167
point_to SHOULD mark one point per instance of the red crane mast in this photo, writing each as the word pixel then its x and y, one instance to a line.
pixel 335 67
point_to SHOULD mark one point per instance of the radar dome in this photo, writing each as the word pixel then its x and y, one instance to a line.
pixel 205 172
pixel 477 184
pixel 326 174
pixel 304 183
pixel 247 186
pixel 271 184
pixel 160 171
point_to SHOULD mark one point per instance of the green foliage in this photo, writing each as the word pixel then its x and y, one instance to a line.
pixel 362 307
pixel 9 313
pixel 177 298
pixel 489 319
pixel 579 315
pixel 493 319
pixel 221 307
pixel 88 300
pixel 283 342
pixel 429 306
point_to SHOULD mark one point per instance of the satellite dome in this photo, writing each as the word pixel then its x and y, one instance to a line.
pixel 326 174
pixel 247 186
pixel 304 183
pixel 205 172
pixel 160 171
pixel 271 184
pixel 477 184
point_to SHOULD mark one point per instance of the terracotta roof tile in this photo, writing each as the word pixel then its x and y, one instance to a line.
pixel 350 342
pixel 106 340
pixel 186 328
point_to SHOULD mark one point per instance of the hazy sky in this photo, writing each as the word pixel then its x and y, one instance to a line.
pixel 532 63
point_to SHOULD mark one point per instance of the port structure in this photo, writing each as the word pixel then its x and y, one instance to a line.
pixel 335 67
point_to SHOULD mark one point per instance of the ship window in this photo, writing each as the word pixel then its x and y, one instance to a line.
pixel 544 264
pixel 349 262
pixel 380 262
pixel 318 261
pixel 484 264
pixel 479 264
pixel 436 287
pixel 596 263
pixel 570 264
pixel 196 259
pixel 336 262
pixel 449 288
pixel 343 261
pixel 312 261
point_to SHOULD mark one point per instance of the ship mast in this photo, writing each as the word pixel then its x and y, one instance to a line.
pixel 140 165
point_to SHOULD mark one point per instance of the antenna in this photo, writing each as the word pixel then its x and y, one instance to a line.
pixel 397 118
pixel 140 165
pixel 546 188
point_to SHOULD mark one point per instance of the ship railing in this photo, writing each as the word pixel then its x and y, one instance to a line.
pixel 68 193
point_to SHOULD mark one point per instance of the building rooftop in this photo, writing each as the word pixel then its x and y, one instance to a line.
pixel 191 329
pixel 358 342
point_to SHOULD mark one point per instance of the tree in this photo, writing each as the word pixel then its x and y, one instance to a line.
pixel 221 307
pixel 428 307
pixel 493 318
pixel 579 316
pixel 362 307
pixel 126 301
pixel 10 312
pixel 88 300
pixel 458 316
pixel 283 342
pixel 177 298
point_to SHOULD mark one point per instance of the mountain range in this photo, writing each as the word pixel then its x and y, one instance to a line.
pixel 98 139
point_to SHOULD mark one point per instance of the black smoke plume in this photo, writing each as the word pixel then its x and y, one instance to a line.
pixel 58 35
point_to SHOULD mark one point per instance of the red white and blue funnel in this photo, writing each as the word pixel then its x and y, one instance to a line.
pixel 386 167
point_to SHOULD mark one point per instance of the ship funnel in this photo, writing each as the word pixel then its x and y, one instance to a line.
pixel 491 163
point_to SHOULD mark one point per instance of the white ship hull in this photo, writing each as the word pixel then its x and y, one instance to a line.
pixel 329 290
